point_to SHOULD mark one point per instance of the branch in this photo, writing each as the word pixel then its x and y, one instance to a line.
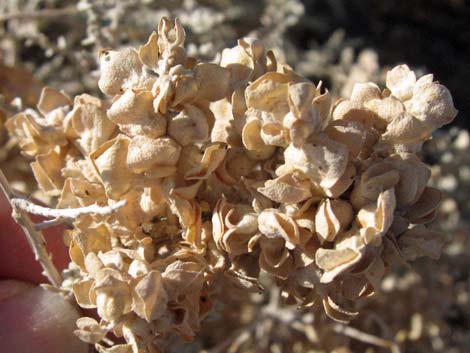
pixel 365 337
pixel 48 223
pixel 32 208
pixel 34 237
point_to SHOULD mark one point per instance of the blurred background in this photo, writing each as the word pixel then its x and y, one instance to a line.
pixel 424 309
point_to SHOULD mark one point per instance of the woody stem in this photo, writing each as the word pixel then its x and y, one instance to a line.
pixel 35 237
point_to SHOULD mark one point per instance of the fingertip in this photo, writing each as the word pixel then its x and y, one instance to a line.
pixel 37 320
pixel 11 288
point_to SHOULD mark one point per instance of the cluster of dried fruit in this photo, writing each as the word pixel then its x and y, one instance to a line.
pixel 228 170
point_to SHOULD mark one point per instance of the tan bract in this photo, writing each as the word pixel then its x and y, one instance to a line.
pixel 228 170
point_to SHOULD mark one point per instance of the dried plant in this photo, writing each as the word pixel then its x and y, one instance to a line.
pixel 197 178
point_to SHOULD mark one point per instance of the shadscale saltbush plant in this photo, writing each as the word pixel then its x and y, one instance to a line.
pixel 194 175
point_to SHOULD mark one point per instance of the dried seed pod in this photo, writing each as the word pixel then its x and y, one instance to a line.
pixel 94 239
pixel 78 192
pixel 323 161
pixel 34 135
pixel 224 129
pixel 286 189
pixel 378 177
pixel 267 92
pixel 336 261
pixel 83 294
pixel 349 133
pixel 233 227
pixel 254 144
pixel 213 156
pixel 110 161
pixel 406 129
pixel 237 164
pixel 305 116
pixel 274 134
pixel 355 109
pixel 424 210
pixel 189 126
pixel 113 298
pixel 332 217
pixel 213 81
pixel 414 175
pixel 120 70
pixel 274 224
pixel 431 103
pixel 400 81
pixel 53 105
pixel 89 123
pixel 382 212
pixel 134 113
pixel 246 61
pixel 150 299
pixel 89 330
pixel 336 312
pixel 275 258
pixel 145 153
pixel 387 108
pixel 47 171
pixel 148 53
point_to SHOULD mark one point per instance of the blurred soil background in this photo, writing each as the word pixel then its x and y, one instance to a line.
pixel 424 309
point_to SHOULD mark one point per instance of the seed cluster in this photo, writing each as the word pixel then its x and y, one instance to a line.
pixel 228 170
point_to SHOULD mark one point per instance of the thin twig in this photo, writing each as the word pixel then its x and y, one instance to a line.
pixel 363 336
pixel 49 223
pixel 46 13
pixel 32 208
pixel 35 237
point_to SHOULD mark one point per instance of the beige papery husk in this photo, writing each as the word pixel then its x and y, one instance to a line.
pixel 229 170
